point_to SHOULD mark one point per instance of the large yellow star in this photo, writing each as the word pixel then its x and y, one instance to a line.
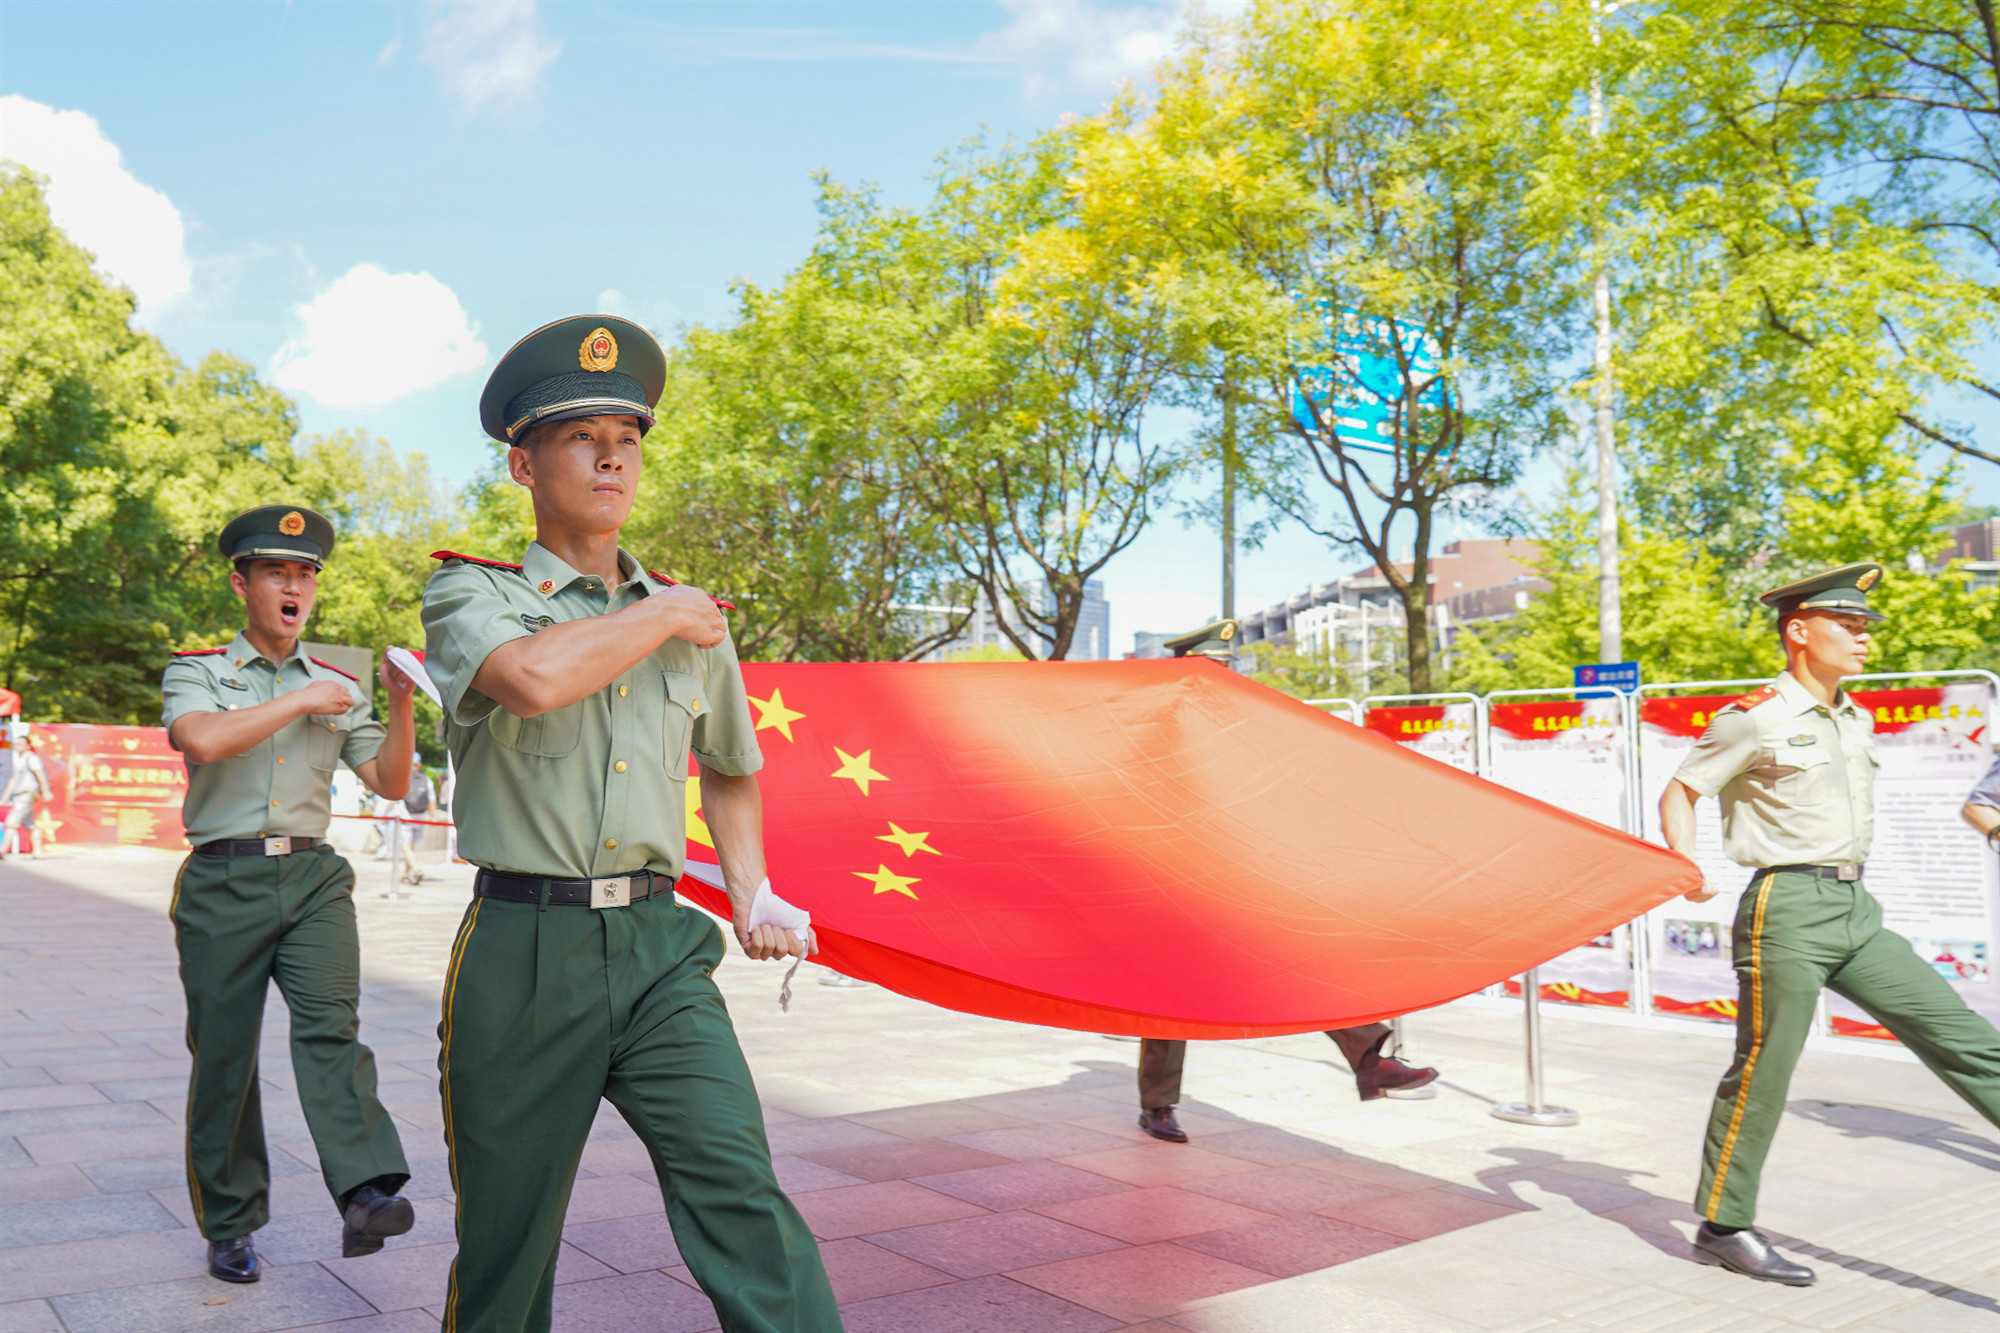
pixel 886 880
pixel 854 767
pixel 911 843
pixel 772 712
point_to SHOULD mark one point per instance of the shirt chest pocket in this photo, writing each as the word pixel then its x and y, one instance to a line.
pixel 549 735
pixel 1799 775
pixel 324 738
pixel 685 705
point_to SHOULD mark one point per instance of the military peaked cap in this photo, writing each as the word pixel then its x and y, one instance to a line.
pixel 583 366
pixel 278 532
pixel 1211 640
pixel 1843 589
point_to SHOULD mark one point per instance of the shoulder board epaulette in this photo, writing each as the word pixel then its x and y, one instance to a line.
pixel 474 560
pixel 200 652
pixel 675 583
pixel 1751 700
pixel 335 670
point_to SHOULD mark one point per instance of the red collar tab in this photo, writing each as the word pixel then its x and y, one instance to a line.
pixel 675 583
pixel 474 560
pixel 335 670
pixel 200 652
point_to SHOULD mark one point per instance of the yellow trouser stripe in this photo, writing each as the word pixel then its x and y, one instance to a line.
pixel 1756 1046
pixel 450 1146
pixel 194 1189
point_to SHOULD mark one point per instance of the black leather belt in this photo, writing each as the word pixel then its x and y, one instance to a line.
pixel 259 846
pixel 1846 870
pixel 615 891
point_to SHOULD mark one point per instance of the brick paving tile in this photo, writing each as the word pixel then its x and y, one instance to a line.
pixel 1142 1216
pixel 612 1196
pixel 796 1175
pixel 26 1184
pixel 628 1244
pixel 1385 1174
pixel 1270 1147
pixel 903 1159
pixel 1157 1164
pixel 1032 1141
pixel 29 1317
pixel 632 1301
pixel 1020 1184
pixel 802 1136
pixel 946 1121
pixel 402 1321
pixel 857 1210
pixel 1418 1214
pixel 95 1145
pixel 980 1305
pixel 34 1097
pixel 1293 1245
pixel 978 1246
pixel 49 1222
pixel 1141 1282
pixel 860 1270
pixel 284 1298
pixel 1284 1189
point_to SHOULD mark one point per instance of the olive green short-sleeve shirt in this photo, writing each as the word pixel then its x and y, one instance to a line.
pixel 283 786
pixel 1796 779
pixel 598 788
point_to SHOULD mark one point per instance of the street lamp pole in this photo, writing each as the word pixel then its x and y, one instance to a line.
pixel 1610 625
pixel 1228 499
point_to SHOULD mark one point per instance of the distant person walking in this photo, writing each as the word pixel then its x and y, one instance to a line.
pixel 1794 767
pixel 27 783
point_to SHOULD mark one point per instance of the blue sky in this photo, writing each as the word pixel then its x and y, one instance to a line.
pixel 370 201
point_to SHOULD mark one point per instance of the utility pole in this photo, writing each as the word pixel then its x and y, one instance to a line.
pixel 1610 618
pixel 1228 498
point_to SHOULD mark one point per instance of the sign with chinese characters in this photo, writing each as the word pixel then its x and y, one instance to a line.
pixel 110 784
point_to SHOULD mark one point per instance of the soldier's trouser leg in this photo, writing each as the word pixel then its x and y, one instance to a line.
pixel 1791 932
pixel 226 928
pixel 317 965
pixel 546 1011
pixel 1906 995
pixel 1358 1043
pixel 1160 1063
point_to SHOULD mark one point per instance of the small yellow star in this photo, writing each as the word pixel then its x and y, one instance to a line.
pixel 886 880
pixel 911 843
pixel 854 767
pixel 772 712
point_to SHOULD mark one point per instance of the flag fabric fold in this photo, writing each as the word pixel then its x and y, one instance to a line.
pixel 1160 849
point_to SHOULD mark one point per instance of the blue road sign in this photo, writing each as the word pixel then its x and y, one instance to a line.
pixel 1616 675
pixel 1359 386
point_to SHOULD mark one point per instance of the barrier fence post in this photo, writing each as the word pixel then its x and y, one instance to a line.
pixel 395 836
pixel 1533 1111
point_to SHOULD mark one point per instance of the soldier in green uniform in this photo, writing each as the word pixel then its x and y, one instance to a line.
pixel 576 684
pixel 1794 766
pixel 263 896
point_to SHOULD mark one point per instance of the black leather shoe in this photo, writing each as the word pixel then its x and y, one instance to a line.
pixel 233 1260
pixel 1160 1123
pixel 371 1217
pixel 1381 1075
pixel 1748 1253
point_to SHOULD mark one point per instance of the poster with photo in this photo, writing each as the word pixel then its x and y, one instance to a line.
pixel 1448 733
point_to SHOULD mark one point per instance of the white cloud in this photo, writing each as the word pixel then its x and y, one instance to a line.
pixel 487 52
pixel 374 336
pixel 134 230
pixel 1067 45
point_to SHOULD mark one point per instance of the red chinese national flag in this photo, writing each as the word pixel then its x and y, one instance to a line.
pixel 1160 849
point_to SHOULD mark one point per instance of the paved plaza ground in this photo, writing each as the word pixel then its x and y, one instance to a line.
pixel 966 1175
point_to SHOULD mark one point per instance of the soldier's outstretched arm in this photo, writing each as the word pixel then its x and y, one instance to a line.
pixel 562 663
pixel 1677 822
pixel 207 737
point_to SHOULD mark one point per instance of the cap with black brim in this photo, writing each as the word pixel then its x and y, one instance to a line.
pixel 1844 589
pixel 277 532
pixel 583 366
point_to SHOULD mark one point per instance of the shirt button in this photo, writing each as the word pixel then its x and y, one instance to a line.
pixel 695 707
pixel 281 759
pixel 624 690
pixel 610 844
pixel 618 767
pixel 274 805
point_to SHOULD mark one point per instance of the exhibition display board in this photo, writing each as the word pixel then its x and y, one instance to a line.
pixel 110 785
pixel 1451 730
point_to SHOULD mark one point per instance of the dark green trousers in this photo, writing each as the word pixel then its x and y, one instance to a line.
pixel 1161 1060
pixel 547 1010
pixel 1795 934
pixel 241 922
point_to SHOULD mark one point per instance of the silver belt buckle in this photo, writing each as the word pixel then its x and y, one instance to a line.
pixel 1847 870
pixel 613 892
pixel 277 846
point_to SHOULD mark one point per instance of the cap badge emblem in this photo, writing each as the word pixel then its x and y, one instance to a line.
pixel 292 524
pixel 599 351
pixel 1867 580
